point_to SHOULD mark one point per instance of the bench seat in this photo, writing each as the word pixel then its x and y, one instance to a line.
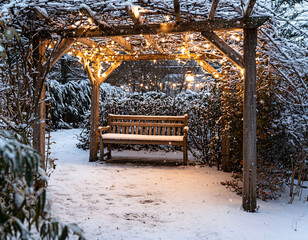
pixel 168 140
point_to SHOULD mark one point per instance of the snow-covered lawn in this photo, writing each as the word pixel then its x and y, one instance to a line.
pixel 133 201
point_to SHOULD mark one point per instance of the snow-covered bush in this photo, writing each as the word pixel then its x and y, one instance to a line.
pixel 24 210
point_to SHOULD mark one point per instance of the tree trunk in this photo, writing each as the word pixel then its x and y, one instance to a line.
pixel 39 102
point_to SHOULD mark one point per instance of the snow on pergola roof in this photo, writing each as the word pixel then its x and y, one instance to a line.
pixel 117 30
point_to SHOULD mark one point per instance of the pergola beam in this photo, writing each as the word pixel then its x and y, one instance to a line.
pixel 224 48
pixel 207 67
pixel 177 10
pixel 92 44
pixel 127 57
pixel 62 48
pixel 124 44
pixel 152 29
pixel 138 21
pixel 153 43
pixel 106 74
pixel 213 9
pixel 102 25
pixel 249 8
pixel 87 10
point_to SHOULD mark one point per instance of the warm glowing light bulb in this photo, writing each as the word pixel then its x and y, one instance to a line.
pixel 189 77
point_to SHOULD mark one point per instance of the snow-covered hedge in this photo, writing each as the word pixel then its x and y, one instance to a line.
pixel 23 206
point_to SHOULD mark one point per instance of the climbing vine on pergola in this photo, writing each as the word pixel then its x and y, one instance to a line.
pixel 103 34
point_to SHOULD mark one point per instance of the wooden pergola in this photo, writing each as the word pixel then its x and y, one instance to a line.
pixel 104 32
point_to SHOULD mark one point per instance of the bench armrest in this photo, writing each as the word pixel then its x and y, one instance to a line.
pixel 186 131
pixel 102 129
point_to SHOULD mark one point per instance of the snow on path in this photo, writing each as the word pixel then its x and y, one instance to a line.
pixel 118 201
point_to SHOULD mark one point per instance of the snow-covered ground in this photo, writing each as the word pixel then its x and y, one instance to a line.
pixel 132 201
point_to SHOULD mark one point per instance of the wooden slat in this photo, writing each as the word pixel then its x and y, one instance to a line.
pixel 249 8
pixel 150 130
pixel 145 124
pixel 213 9
pixel 157 28
pixel 127 130
pixel 145 117
pixel 224 48
pixel 168 130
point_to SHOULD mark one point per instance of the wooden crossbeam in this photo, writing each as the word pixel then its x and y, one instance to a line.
pixel 137 19
pixel 42 14
pixel 134 14
pixel 127 57
pixel 124 44
pixel 213 9
pixel 154 44
pixel 177 10
pixel 106 74
pixel 87 10
pixel 89 71
pixel 62 48
pixel 224 48
pixel 249 8
pixel 102 25
pixel 152 29
pixel 207 67
pixel 90 43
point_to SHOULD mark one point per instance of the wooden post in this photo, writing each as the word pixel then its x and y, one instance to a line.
pixel 39 101
pixel 96 81
pixel 250 121
pixel 94 121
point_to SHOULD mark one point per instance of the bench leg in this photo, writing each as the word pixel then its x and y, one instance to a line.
pixel 109 150
pixel 101 154
pixel 185 154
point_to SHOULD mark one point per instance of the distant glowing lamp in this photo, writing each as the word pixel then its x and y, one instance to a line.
pixel 189 76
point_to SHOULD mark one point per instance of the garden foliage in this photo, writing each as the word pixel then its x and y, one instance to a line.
pixel 24 208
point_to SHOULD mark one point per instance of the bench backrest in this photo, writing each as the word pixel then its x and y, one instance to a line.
pixel 147 125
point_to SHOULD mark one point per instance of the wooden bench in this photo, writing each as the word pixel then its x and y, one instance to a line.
pixel 140 129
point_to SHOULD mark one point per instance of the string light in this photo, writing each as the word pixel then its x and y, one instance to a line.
pixel 189 76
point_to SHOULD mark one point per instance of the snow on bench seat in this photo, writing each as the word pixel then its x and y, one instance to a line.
pixel 136 137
